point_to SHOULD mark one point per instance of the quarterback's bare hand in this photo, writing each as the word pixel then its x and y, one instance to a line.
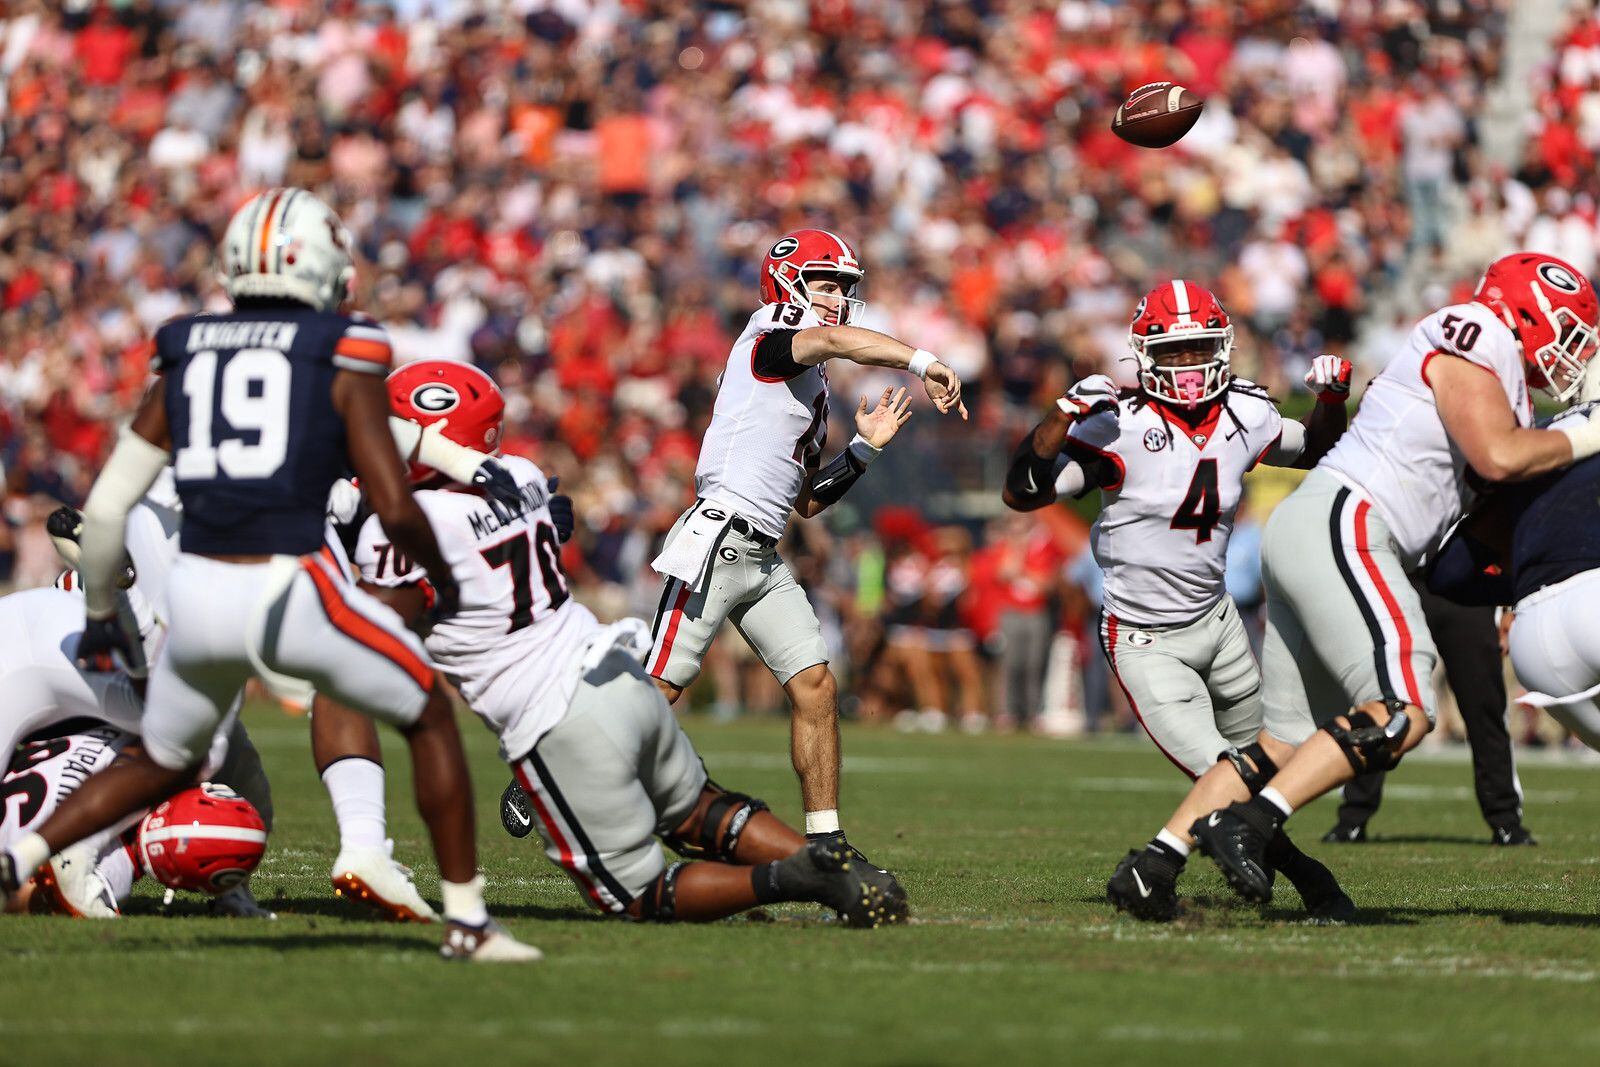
pixel 944 389
pixel 1095 393
pixel 1329 378
pixel 879 425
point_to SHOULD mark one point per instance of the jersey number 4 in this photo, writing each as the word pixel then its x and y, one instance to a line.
pixel 254 399
pixel 516 553
pixel 1202 504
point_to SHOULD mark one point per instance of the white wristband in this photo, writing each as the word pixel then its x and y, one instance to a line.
pixel 863 450
pixel 1585 438
pixel 921 360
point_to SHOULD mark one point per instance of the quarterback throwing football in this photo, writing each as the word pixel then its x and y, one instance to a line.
pixel 1169 459
pixel 760 460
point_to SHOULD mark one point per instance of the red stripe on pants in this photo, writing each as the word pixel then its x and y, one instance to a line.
pixel 1111 654
pixel 1412 694
pixel 674 617
pixel 568 859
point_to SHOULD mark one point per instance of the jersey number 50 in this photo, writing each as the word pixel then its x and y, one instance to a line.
pixel 255 398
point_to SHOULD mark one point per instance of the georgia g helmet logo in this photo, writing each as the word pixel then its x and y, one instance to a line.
pixel 1558 277
pixel 435 398
pixel 784 247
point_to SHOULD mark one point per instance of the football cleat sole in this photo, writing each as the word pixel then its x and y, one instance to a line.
pixel 350 887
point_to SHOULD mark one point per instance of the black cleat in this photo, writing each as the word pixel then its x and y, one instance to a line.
pixel 856 855
pixel 1238 850
pixel 1324 899
pixel 1512 835
pixel 1145 885
pixel 1346 834
pixel 863 895
pixel 516 811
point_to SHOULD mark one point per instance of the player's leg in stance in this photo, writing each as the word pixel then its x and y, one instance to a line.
pixel 617 772
pixel 1196 690
pixel 750 585
pixel 345 748
pixel 1340 611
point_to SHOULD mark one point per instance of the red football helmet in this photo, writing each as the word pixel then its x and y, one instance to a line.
pixel 429 390
pixel 1552 309
pixel 786 264
pixel 207 839
pixel 1174 323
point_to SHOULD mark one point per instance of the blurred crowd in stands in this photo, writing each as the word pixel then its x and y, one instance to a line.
pixel 575 195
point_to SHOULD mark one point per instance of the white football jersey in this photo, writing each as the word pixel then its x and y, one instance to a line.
pixel 1169 500
pixel 44 773
pixel 765 432
pixel 39 630
pixel 513 647
pixel 1396 452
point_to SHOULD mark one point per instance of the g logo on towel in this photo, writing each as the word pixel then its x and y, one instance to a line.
pixel 714 515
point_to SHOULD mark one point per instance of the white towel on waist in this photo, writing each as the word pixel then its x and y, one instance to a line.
pixel 687 553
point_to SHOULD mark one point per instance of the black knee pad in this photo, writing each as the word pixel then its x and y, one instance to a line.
pixel 1253 765
pixel 711 845
pixel 659 902
pixel 1370 748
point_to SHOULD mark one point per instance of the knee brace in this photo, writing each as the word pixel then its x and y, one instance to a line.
pixel 712 845
pixel 659 902
pixel 1253 765
pixel 1371 748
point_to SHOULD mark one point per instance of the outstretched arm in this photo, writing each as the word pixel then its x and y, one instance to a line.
pixel 1304 443
pixel 1479 420
pixel 141 453
pixel 817 344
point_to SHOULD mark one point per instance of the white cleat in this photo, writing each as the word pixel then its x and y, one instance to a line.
pixel 371 876
pixel 72 885
pixel 490 943
pixel 240 903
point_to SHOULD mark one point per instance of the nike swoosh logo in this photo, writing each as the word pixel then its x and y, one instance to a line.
pixel 1032 488
pixel 526 820
pixel 1144 890
pixel 1216 817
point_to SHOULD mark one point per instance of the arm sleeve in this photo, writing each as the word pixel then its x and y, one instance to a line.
pixel 773 358
pixel 133 468
pixel 1287 447
pixel 364 348
pixel 1090 443
pixel 429 447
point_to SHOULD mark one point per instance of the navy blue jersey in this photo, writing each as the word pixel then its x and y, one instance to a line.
pixel 256 440
pixel 1554 524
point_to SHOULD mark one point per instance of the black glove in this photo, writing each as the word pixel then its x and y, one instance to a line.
pixel 104 646
pixel 502 492
pixel 561 512
pixel 66 523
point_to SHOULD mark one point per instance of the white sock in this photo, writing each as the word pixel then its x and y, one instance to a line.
pixel 356 787
pixel 463 901
pixel 120 872
pixel 1173 841
pixel 29 855
pixel 1275 798
pixel 822 822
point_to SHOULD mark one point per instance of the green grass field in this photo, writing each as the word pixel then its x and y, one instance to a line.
pixel 1465 954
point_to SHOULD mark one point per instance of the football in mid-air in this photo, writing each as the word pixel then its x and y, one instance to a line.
pixel 1157 115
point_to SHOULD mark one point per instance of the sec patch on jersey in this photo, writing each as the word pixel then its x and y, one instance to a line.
pixel 1157 115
